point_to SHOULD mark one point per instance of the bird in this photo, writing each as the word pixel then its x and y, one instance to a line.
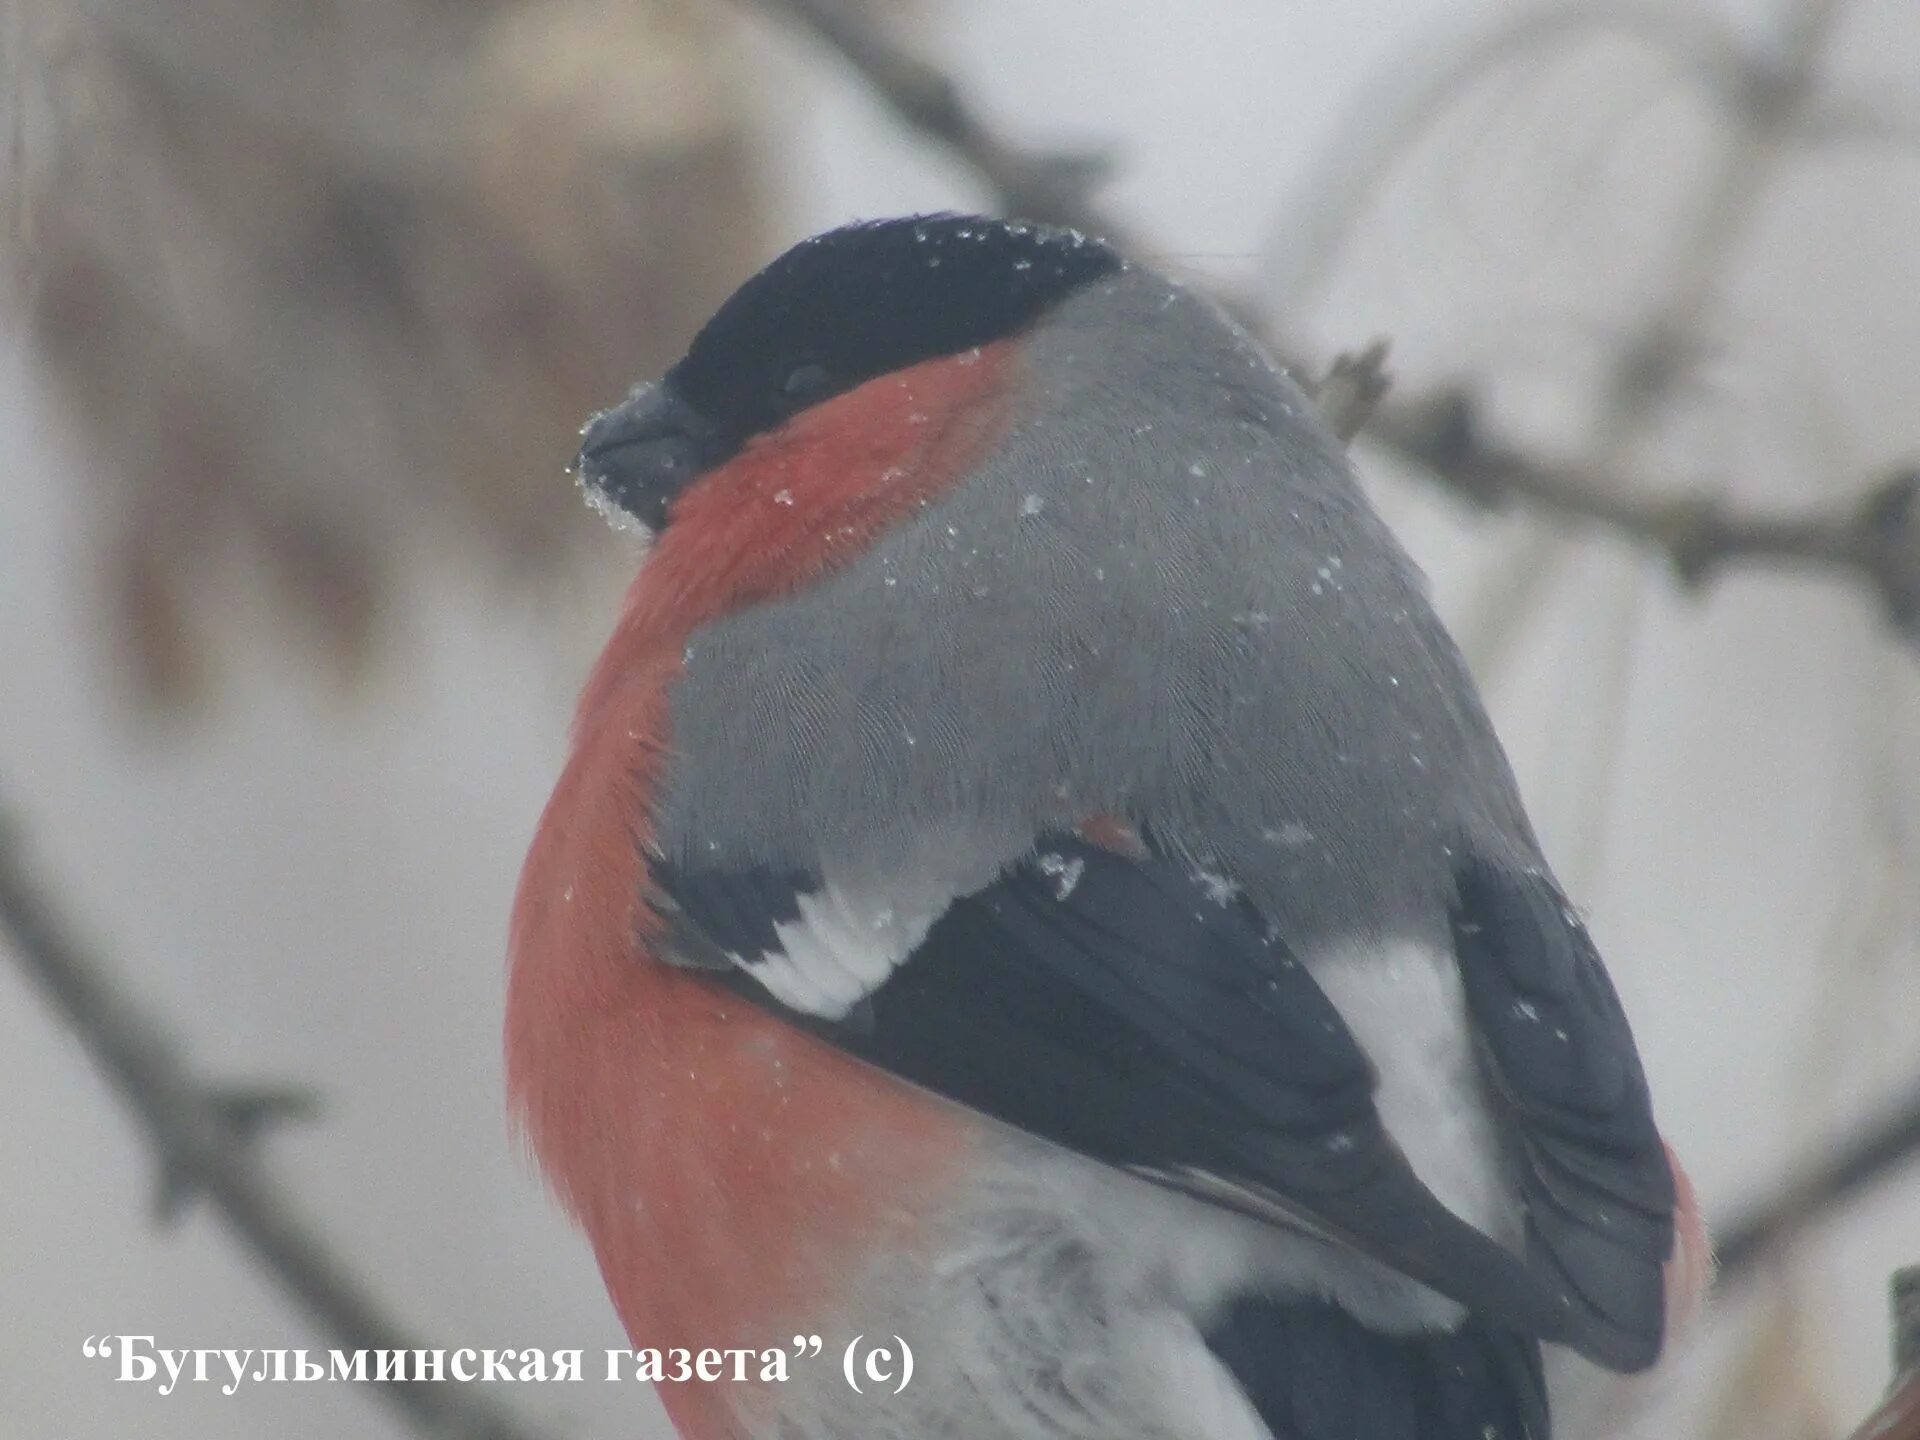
pixel 1032 879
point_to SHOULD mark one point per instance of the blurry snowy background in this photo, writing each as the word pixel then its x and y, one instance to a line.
pixel 304 301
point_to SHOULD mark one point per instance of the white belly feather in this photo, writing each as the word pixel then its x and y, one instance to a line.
pixel 1067 1299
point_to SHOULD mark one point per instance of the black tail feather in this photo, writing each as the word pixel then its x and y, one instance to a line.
pixel 1313 1372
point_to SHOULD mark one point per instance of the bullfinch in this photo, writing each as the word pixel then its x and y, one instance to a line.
pixel 1033 878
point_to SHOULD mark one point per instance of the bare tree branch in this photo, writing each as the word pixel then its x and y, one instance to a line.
pixel 1897 1417
pixel 202 1137
pixel 1745 1244
pixel 1851 118
pixel 1904 1293
pixel 1041 185
pixel 1874 539
pixel 1874 542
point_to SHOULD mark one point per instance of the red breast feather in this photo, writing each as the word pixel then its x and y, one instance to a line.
pixel 729 1170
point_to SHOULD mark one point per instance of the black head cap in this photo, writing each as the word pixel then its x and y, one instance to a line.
pixel 833 312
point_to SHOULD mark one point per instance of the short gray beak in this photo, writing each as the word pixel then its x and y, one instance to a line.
pixel 643 452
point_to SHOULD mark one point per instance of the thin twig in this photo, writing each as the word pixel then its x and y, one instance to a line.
pixel 202 1137
pixel 1744 1245
pixel 1354 386
pixel 1875 543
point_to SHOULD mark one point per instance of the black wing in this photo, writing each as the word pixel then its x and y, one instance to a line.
pixel 1140 1012
pixel 1590 1162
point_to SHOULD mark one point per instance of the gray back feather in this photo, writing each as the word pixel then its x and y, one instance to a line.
pixel 1163 596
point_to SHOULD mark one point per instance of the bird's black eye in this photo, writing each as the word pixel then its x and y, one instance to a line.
pixel 804 384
